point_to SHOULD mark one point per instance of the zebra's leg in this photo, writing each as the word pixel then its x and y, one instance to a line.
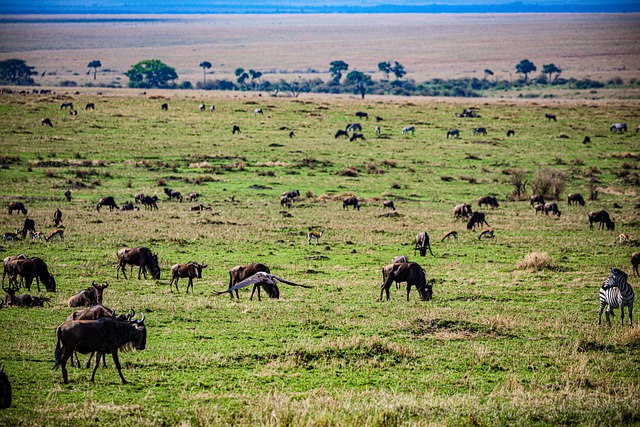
pixel 631 315
pixel 600 314
pixel 622 314
pixel 607 314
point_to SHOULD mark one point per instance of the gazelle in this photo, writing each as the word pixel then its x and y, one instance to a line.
pixel 57 232
pixel 314 235
pixel 9 236
pixel 449 235
pixel 624 238
pixel 36 235
pixel 487 234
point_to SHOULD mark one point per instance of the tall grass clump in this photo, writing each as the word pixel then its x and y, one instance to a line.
pixel 535 261
pixel 549 183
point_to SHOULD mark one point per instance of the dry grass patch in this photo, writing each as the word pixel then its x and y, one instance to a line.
pixel 535 261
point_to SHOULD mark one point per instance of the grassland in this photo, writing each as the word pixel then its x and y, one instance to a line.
pixel 500 343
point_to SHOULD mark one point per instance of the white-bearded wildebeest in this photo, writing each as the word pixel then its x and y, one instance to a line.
pixel 489 200
pixel 268 281
pixel 67 195
pixel 88 297
pixel 389 205
pixel 17 206
pixel 149 202
pixel 29 269
pixel 536 199
pixel 140 256
pixel 602 218
pixel 550 117
pixel 57 217
pixel 408 129
pixel 575 198
pixel 409 272
pixel 23 300
pixel 477 219
pixel 46 122
pixel 553 208
pixel 5 389
pixel 104 335
pixel 477 131
pixel 239 273
pixel 351 201
pixel 191 270
pixel 285 201
pixel 172 194
pixel 362 114
pixel 68 105
pixel 462 211
pixel 292 194
pixel 454 133
pixel 107 201
pixel 9 266
pixel 422 244
pixel 618 128
pixel 340 133
pixel 27 225
pixel 356 135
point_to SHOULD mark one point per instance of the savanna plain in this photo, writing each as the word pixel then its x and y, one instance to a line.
pixel 505 340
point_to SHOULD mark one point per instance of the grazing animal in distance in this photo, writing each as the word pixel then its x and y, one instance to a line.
pixel 59 233
pixel 68 105
pixel 553 208
pixel 67 195
pixel 409 272
pixel 57 217
pixel 164 107
pixel 17 206
pixel 355 136
pixel 487 234
pixel 586 140
pixel 536 199
pixel 291 134
pixel 107 201
pixel 422 244
pixel 172 194
pixel 362 114
pixel 378 131
pixel 213 108
pixel 90 106
pixel 140 256
pixel 449 235
pixel 235 129
pixel 477 219
pixel 88 297
pixel 9 267
pixel 635 262
pixel 489 201
pixel 9 236
pixel 340 133
pixel 539 208
pixel 480 131
pixel 285 201
pixel 511 132
pixel 258 111
pixel 314 235
pixel 73 113
pixel 268 281
pixel 292 194
pixel 105 335
pixel 149 202
pixel 191 270
pixel 351 201
pixel 550 117
pixel 408 129
pixel 462 211
pixel 5 389
pixel 575 198
pixel 618 128
pixel 399 259
pixel 354 127
pixel 29 269
pixel 616 293
pixel 46 122
pixel 454 133
pixel 202 107
pixel 27 225
pixel 389 205
pixel 193 197
pixel 241 272
pixel 379 119
pixel 603 219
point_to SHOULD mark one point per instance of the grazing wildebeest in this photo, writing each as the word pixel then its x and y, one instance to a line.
pixel 388 204
pixel 489 200
pixel 550 117
pixel 149 202
pixel 354 127
pixel 68 105
pixel 351 201
pixel 618 128
pixel 104 335
pixel 46 122
pixel 378 131
pixel 468 112
pixel 9 266
pixel 59 233
pixel 258 111
pixel 29 269
pixel 138 197
pixel 90 106
pixel 107 201
pixel 140 256
pixel 362 114
pixel 17 206
pixel 291 134
pixel 269 282
pixel 536 199
pixel 292 194
pixel 235 129
pixel 57 217
pixel 73 113
pixel 408 129
pixel 635 262
pixel 379 119
pixel 409 272
pixel 480 130
pixel 27 225
pixel 94 313
pixel 23 300
pixel 5 389
pixel 285 201
pixel 199 208
pixel 190 270
pixel 422 244
pixel 511 132
pixel 340 133
pixel 172 194
pixel 193 197
pixel 553 208
pixel 67 195
pixel 602 218
pixel 88 297
pixel 449 235
pixel 477 219
pixel 454 133
pixel 462 211
pixel 586 140
pixel 355 136
pixel 213 108
pixel 164 107
pixel 575 198
pixel 314 235
pixel 241 272
pixel 202 107
pixel 539 208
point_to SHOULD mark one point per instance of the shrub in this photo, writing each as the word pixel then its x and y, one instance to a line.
pixel 535 260
pixel 549 183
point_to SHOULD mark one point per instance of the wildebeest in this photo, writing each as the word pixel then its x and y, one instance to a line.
pixel 291 134
pixel 575 198
pixel 140 256
pixel 27 225
pixel 46 122
pixel 454 133
pixel 422 244
pixel 202 107
pixel 68 105
pixel 340 133
pixel 292 194
pixel 550 117
pixel 378 131
pixel 241 272
pixel 480 131
pixel 29 269
pixel 468 112
pixel 353 127
pixel 355 136
pixel 602 218
pixel 635 262
pixel 199 208
pixel 58 232
pixel 477 219
pixel 379 119
pixel 23 300
pixel 285 201
pixel 235 129
pixel 128 206
pixel 90 106
pixel 164 107
pixel 408 129
pixel 149 202
pixel 5 389
pixel 105 335
pixel 539 208
pixel 511 132
pixel 17 206
pixel 409 272
pixel 535 199
pixel 213 108
pixel 9 267
pixel 193 197
pixel 94 313
pixel 586 140
pixel 57 217
pixel 268 281
pixel 389 205
pixel 618 128
pixel 67 195
pixel 362 114
pixel 107 201
pixel 489 200
pixel 88 297
pixel 553 208
pixel 172 194
pixel 351 201
pixel 258 111
pixel 190 270
pixel 462 211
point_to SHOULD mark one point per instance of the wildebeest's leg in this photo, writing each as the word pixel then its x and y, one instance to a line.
pixel 95 368
pixel 408 290
pixel 386 286
pixel 189 284
pixel 117 363
pixel 63 363
pixel 88 363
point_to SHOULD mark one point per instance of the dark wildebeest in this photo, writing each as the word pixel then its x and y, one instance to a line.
pixel 92 313
pixel 46 122
pixel 292 194
pixel 511 132
pixel 140 256
pixel 149 202
pixel 57 217
pixel 489 200
pixel 17 206
pixel 550 117
pixel 190 270
pixel 340 133
pixel 454 133
pixel 389 205
pixel 27 225
pixel 267 280
pixel 68 105
pixel 477 131
pixel 285 201
pixel 354 127
pixel 575 198
pixel 407 129
pixel 586 140
pixel 32 268
pixel 361 114
pixel 164 107
pixel 235 129
pixel 172 194
pixel 422 244
pixel 67 195
pixel 128 206
pixel 536 199
pixel 351 201
pixel 477 219
pixel 193 197
pixel 539 208
pixel 5 389
pixel 9 266
pixel 104 335
pixel 23 300
pixel 602 218
pixel 90 106
pixel 107 201
pixel 355 136
pixel 635 262
pixel 618 128
pixel 241 272
pixel 409 272
pixel 553 208
pixel 462 211
pixel 88 297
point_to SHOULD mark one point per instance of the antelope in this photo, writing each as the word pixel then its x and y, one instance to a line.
pixel 36 235
pixel 449 235
pixel 314 235
pixel 487 234
pixel 9 236
pixel 55 233
pixel 624 238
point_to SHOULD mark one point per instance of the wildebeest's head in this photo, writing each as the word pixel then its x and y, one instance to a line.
pixel 50 284
pixel 424 288
pixel 154 267
pixel 271 290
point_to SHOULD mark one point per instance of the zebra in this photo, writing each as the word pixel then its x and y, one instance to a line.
pixel 616 292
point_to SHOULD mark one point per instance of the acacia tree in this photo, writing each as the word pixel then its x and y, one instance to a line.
pixel 487 73
pixel 241 76
pixel 95 64
pixel 360 80
pixel 398 70
pixel 255 75
pixel 205 66
pixel 336 68
pixel 551 69
pixel 16 71
pixel 525 67
pixel 385 68
pixel 150 73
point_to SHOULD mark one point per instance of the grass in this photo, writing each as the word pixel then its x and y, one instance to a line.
pixel 499 344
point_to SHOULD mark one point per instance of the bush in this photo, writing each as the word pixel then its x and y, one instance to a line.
pixel 536 261
pixel 549 183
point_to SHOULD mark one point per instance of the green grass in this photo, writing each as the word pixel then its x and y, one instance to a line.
pixel 501 343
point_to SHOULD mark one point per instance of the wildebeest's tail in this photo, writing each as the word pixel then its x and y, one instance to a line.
pixel 58 352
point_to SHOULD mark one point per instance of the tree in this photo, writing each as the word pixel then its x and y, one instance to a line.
pixel 551 69
pixel 205 66
pixel 255 75
pixel 336 68
pixel 525 67
pixel 16 71
pixel 95 64
pixel 487 73
pixel 385 68
pixel 150 73
pixel 241 75
pixel 360 80
pixel 398 70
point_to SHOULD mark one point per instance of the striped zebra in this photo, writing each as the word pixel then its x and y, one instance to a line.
pixel 616 292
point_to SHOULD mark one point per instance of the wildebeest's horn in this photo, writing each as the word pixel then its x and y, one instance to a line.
pixel 141 320
pixel 106 285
